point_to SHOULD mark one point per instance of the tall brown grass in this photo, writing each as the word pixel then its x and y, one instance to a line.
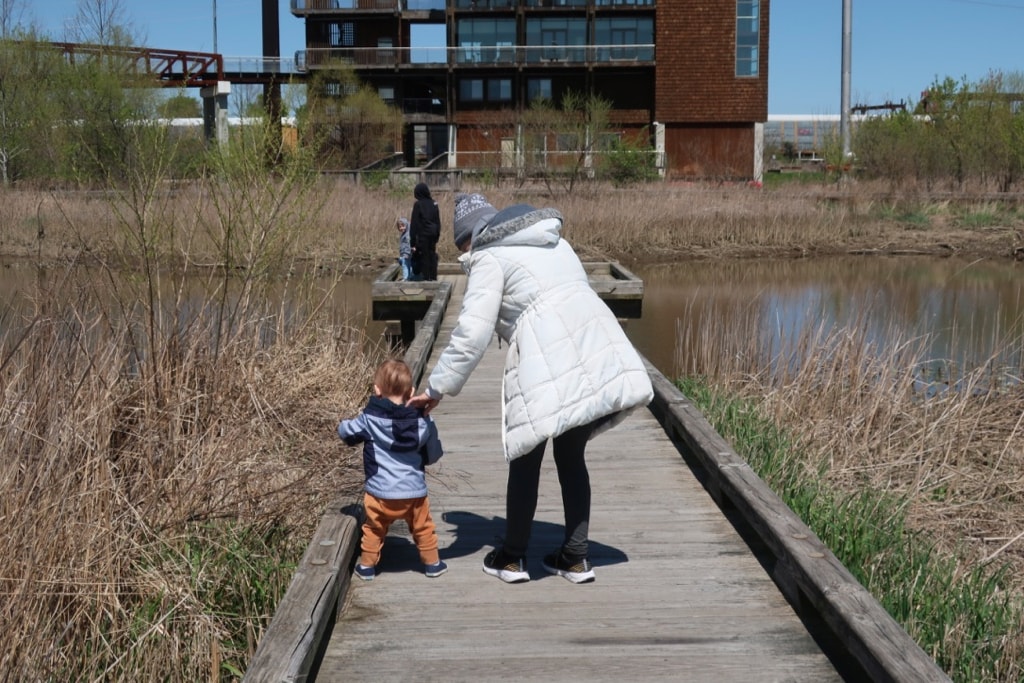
pixel 664 222
pixel 168 401
pixel 877 417
pixel 130 503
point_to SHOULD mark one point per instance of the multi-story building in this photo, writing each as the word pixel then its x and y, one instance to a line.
pixel 690 74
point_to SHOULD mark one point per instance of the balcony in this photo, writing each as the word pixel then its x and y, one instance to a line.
pixel 312 7
pixel 475 56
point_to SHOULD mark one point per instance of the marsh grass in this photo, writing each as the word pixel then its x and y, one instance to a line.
pixel 168 413
pixel 915 485
pixel 151 524
pixel 353 225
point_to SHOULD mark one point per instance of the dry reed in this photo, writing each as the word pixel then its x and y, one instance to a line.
pixel 353 226
pixel 867 418
pixel 879 417
pixel 152 509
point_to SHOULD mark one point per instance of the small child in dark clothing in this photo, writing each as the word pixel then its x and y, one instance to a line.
pixel 398 442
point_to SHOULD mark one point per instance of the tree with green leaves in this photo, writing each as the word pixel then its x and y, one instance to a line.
pixel 29 134
pixel 347 122
pixel 180 106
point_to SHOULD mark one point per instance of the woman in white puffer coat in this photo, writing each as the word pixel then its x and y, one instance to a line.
pixel 570 370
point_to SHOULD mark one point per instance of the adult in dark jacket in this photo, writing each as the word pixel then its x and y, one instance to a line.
pixel 424 231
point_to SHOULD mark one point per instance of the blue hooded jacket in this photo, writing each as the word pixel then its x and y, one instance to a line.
pixel 398 442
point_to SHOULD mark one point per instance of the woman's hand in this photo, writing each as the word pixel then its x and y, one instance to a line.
pixel 423 401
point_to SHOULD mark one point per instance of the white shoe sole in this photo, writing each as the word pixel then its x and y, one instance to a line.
pixel 573 577
pixel 507 576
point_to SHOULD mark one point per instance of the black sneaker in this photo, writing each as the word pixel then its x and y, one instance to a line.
pixel 508 569
pixel 577 571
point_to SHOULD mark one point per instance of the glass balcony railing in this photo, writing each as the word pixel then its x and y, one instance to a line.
pixel 301 7
pixel 315 6
pixel 512 55
pixel 261 65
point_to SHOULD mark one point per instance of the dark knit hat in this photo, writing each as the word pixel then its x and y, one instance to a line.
pixel 471 214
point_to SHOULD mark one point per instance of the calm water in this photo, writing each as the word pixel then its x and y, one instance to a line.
pixel 966 308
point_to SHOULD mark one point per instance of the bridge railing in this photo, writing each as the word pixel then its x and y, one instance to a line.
pixel 260 65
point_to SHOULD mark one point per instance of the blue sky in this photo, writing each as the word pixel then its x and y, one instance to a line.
pixel 899 47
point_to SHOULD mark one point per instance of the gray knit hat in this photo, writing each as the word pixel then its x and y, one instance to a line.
pixel 471 214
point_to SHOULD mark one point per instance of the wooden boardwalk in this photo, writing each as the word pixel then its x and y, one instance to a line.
pixel 679 595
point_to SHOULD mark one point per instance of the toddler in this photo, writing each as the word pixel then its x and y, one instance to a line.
pixel 398 442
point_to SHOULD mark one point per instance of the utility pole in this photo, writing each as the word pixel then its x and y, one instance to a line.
pixel 215 26
pixel 844 116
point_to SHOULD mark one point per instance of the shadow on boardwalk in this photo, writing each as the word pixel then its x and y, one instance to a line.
pixel 474 534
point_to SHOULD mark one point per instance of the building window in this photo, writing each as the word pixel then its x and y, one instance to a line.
pixel 495 89
pixel 747 37
pixel 342 34
pixel 547 38
pixel 336 89
pixel 499 89
pixel 609 141
pixel 471 90
pixel 538 88
pixel 622 38
pixel 482 40
pixel 387 93
pixel 568 142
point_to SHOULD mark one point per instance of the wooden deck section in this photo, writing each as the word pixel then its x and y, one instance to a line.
pixel 407 302
pixel 701 571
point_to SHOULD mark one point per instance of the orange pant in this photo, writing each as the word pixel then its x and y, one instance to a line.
pixel 381 513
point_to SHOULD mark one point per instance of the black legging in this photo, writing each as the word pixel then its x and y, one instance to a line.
pixel 521 494
pixel 425 260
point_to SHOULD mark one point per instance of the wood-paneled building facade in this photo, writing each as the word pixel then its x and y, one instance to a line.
pixel 691 74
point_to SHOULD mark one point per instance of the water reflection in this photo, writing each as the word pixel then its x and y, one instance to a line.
pixel 81 294
pixel 966 309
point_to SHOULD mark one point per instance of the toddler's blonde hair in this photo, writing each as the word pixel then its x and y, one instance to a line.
pixel 393 378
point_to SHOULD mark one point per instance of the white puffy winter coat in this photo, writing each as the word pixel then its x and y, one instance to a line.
pixel 568 361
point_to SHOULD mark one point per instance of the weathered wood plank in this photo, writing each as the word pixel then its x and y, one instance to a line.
pixel 287 650
pixel 418 351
